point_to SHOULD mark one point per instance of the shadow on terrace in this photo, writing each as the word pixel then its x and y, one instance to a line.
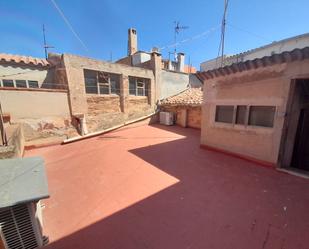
pixel 219 202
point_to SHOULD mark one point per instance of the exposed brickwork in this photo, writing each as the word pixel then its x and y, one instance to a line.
pixel 103 104
pixel 185 116
pixel 194 117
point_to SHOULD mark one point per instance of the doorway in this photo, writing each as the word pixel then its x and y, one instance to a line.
pixel 295 149
pixel 300 158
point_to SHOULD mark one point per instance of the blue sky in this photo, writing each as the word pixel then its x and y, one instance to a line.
pixel 102 25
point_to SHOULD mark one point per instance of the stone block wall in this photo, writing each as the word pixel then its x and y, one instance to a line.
pixel 105 111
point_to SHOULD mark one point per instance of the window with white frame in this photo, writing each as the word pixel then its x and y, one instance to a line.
pixel 20 83
pixel 7 83
pixel 138 86
pixel 101 82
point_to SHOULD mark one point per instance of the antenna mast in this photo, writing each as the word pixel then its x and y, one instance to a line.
pixel 226 2
pixel 46 47
pixel 177 29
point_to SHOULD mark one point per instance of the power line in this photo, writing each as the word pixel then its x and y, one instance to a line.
pixel 69 25
pixel 191 38
pixel 249 32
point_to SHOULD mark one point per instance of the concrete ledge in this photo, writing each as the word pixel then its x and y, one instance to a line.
pixel 33 89
pixel 247 158
pixel 93 134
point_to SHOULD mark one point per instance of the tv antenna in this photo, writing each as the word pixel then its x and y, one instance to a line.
pixel 222 39
pixel 46 47
pixel 177 29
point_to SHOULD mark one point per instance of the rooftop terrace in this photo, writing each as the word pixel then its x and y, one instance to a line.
pixel 153 187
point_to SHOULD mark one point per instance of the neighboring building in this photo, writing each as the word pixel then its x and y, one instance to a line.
pixel 53 95
pixel 186 107
pixel 289 44
pixel 30 95
pixel 258 109
pixel 172 76
pixel 108 94
pixel 23 184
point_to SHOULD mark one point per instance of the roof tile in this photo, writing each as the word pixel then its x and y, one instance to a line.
pixel 28 60
pixel 189 97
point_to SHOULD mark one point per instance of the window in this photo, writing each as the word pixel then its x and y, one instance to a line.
pixel 33 84
pixel 262 116
pixel 138 86
pixel 101 82
pixel 8 83
pixel 241 112
pixel 224 113
pixel 21 83
pixel 91 84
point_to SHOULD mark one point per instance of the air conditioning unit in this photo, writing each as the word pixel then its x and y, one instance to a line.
pixel 166 118
pixel 23 184
pixel 20 226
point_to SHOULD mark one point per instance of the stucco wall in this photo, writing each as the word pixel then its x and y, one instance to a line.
pixel 26 73
pixel 34 104
pixel 267 86
pixel 172 83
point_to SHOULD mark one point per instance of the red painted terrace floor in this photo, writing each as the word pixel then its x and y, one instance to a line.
pixel 153 187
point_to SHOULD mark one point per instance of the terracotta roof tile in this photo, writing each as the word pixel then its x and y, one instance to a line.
pixel 284 57
pixel 28 60
pixel 189 97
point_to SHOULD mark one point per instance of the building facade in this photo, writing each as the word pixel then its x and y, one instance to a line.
pixel 259 109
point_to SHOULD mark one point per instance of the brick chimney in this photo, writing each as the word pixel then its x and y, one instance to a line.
pixel 132 41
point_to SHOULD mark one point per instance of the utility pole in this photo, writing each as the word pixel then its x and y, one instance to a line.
pixel 46 47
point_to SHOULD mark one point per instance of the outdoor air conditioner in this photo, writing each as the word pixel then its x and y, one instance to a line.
pixel 166 118
pixel 20 227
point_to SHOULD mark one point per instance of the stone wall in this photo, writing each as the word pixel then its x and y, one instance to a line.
pixel 194 117
pixel 185 116
pixel 105 111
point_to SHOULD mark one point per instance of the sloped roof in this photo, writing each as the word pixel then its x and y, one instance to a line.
pixel 189 97
pixel 270 45
pixel 22 180
pixel 21 59
pixel 284 57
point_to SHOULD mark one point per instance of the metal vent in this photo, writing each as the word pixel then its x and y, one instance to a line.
pixel 16 228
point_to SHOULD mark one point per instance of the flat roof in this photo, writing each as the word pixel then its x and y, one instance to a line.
pixel 22 180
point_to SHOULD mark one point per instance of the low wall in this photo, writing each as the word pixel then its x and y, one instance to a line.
pixel 33 104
